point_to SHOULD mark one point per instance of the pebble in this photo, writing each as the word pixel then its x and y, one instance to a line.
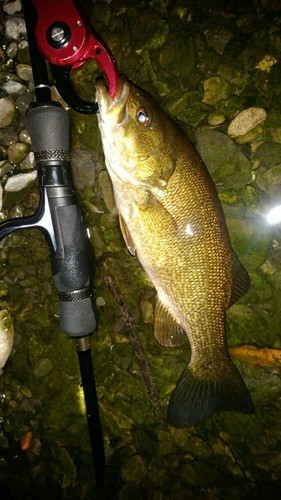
pixel 1 197
pixel 23 102
pixel 15 28
pixel 24 71
pixel 24 136
pixel 107 191
pixel 246 120
pixel 6 336
pixel 20 181
pixel 17 152
pixel 7 111
pixel 12 7
pixel 13 88
pixel 216 89
pixel 5 168
pixel 43 367
pixel 7 136
pixel 216 118
pixel 28 162
pixel 12 50
pixel 83 168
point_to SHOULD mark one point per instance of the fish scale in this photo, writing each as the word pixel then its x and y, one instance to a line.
pixel 172 219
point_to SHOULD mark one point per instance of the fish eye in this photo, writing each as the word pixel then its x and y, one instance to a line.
pixel 143 117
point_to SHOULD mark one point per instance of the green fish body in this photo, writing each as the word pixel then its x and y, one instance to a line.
pixel 171 218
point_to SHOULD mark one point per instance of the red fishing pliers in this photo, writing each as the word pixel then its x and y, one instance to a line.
pixel 66 40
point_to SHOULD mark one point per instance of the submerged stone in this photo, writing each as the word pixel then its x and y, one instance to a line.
pixel 246 120
pixel 43 367
pixel 216 89
pixel 224 160
pixel 7 111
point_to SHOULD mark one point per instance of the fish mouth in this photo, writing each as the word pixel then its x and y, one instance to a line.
pixel 112 109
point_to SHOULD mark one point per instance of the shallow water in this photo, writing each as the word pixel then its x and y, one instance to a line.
pixel 205 64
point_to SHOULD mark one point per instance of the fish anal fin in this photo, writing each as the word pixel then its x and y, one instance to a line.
pixel 240 280
pixel 196 398
pixel 167 331
pixel 127 237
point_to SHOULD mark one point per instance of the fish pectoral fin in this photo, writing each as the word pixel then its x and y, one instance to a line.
pixel 127 236
pixel 153 214
pixel 240 280
pixel 167 331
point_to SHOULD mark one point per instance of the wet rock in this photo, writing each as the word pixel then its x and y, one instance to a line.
pixel 24 71
pixel 107 191
pixel 20 181
pixel 12 7
pixel 6 337
pixel 218 38
pixel 17 152
pixel 216 118
pixel 42 367
pixel 268 154
pixel 13 88
pixel 28 163
pixel 269 180
pixel 5 168
pixel 15 28
pixel 83 168
pixel 246 120
pixel 8 136
pixel 216 89
pixel 1 196
pixel 24 136
pixel 23 102
pixel 134 470
pixel 224 160
pixel 146 308
pixel 12 50
pixel 7 111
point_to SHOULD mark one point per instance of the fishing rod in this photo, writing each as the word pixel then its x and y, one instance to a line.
pixel 61 35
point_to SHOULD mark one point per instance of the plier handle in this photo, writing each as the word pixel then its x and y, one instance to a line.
pixel 66 40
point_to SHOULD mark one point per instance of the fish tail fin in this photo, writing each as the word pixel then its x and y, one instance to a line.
pixel 195 399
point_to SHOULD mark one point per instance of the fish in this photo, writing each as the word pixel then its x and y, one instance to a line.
pixel 172 220
pixel 6 337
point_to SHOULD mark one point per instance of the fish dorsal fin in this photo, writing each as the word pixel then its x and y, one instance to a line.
pixel 240 280
pixel 166 330
pixel 127 237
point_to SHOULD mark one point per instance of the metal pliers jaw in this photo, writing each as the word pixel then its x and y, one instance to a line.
pixel 66 40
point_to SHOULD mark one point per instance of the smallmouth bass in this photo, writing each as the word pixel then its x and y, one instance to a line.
pixel 172 220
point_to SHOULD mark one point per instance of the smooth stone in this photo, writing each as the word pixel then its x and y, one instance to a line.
pixel 20 181
pixel 226 163
pixel 43 367
pixel 28 162
pixel 216 89
pixel 24 71
pixel 7 111
pixel 245 121
pixel 12 50
pixel 15 28
pixel 216 118
pixel 6 336
pixel 107 191
pixel 24 136
pixel 83 168
pixel 17 152
pixel 8 136
pixel 12 7
pixel 13 88
pixel 1 196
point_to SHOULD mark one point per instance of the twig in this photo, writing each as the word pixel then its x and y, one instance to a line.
pixel 138 350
